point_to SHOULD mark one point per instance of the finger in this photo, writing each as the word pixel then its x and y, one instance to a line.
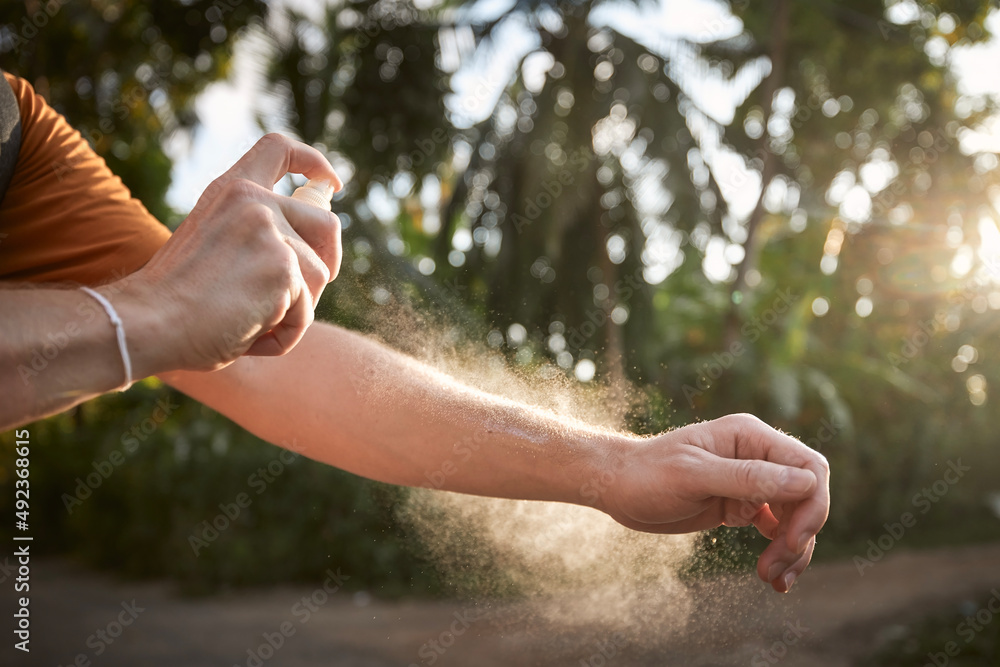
pixel 786 577
pixel 777 559
pixel 315 273
pixel 757 440
pixel 744 513
pixel 766 523
pixel 737 513
pixel 275 155
pixel 809 516
pixel 756 481
pixel 318 228
pixel 289 331
pixel 286 335
pixel 703 520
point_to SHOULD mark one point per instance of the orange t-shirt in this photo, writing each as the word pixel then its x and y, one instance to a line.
pixel 66 216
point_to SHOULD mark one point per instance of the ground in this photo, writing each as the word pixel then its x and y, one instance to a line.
pixel 833 617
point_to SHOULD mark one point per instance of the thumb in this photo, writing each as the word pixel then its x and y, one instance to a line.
pixel 758 481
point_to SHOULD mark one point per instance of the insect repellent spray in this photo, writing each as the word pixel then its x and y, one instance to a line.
pixel 317 192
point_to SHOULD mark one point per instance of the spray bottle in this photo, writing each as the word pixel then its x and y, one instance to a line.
pixel 317 192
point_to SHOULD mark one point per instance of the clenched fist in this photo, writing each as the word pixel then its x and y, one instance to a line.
pixel 243 273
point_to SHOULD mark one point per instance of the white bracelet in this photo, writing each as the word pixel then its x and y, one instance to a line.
pixel 119 332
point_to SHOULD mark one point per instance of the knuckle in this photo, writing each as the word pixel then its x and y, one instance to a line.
pixel 239 189
pixel 333 231
pixel 328 235
pixel 278 267
pixel 276 305
pixel 824 464
pixel 744 473
pixel 744 425
pixel 214 190
pixel 324 273
pixel 258 221
pixel 737 420
pixel 327 246
pixel 272 139
pixel 686 462
pixel 747 420
pixel 687 468
pixel 285 262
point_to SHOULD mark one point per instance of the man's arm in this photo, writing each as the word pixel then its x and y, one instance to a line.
pixel 58 348
pixel 241 275
pixel 345 400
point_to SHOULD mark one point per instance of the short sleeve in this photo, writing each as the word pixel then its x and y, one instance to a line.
pixel 65 216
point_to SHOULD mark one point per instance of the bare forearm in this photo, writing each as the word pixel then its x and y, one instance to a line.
pixel 346 400
pixel 57 349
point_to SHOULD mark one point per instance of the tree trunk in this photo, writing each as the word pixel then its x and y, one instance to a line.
pixel 777 53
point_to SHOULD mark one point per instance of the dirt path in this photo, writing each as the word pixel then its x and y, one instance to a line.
pixel 834 615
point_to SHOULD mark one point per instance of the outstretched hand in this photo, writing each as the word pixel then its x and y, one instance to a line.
pixel 733 471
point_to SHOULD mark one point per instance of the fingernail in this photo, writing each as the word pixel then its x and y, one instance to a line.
pixel 789 580
pixel 775 570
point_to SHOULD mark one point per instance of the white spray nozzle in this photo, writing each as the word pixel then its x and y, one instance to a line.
pixel 317 192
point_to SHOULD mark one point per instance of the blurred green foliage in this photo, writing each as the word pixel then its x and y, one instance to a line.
pixel 580 195
pixel 126 72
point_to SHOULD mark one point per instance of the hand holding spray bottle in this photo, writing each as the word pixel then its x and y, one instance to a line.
pixel 317 191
